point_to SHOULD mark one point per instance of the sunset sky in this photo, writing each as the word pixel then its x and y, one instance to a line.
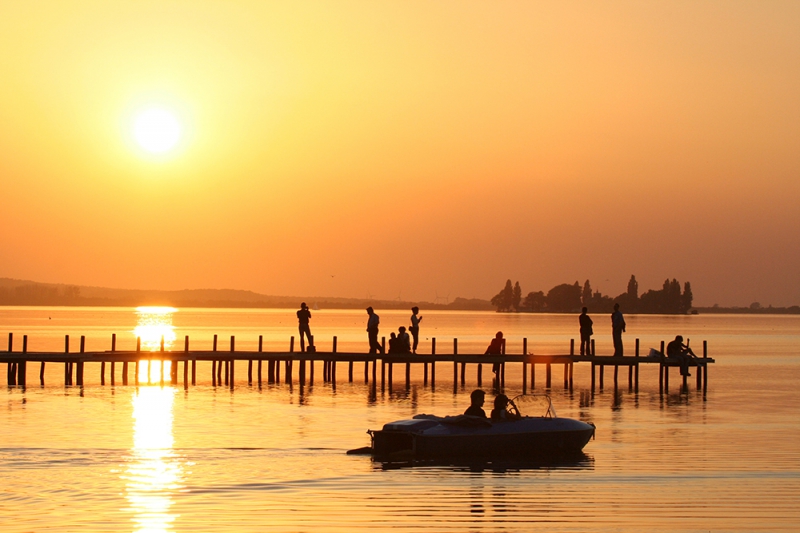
pixel 403 149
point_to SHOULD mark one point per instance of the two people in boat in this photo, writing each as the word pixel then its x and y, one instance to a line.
pixel 504 408
pixel 677 350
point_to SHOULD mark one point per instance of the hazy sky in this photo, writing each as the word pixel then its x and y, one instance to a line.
pixel 408 149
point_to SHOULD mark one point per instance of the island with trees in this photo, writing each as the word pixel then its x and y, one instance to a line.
pixel 569 298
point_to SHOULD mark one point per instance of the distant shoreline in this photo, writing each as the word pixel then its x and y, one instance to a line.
pixel 26 293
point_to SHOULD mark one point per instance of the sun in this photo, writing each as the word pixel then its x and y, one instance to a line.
pixel 157 130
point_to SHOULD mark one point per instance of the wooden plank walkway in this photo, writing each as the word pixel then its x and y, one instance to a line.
pixel 223 366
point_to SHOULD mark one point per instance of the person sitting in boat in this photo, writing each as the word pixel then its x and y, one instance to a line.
pixel 504 409
pixel 476 408
pixel 677 350
pixel 403 340
pixel 496 348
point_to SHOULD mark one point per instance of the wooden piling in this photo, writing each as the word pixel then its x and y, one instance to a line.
pixel 571 366
pixel 705 366
pixel 66 365
pixel 80 362
pixel 502 373
pixel 433 363
pixel 455 366
pixel 374 380
pixel 548 376
pixel 10 374
pixel 602 376
pixel 22 366
pixel 270 371
pixel 636 369
pixel 288 370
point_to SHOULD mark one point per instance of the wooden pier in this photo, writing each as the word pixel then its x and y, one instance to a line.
pixel 298 367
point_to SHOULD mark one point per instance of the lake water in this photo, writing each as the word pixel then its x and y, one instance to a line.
pixel 273 458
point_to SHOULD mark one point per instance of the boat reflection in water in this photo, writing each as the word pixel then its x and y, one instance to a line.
pixel 154 473
pixel 154 325
pixel 575 461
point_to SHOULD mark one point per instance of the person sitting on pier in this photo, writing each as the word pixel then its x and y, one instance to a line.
pixel 394 343
pixel 504 409
pixel 403 340
pixel 677 350
pixel 496 348
pixel 476 398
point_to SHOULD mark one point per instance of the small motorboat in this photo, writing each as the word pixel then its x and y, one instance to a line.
pixel 429 436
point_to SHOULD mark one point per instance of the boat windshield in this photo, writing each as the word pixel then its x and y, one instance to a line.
pixel 535 405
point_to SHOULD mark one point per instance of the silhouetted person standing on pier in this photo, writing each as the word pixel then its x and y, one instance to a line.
pixel 496 348
pixel 586 332
pixel 677 350
pixel 617 328
pixel 414 329
pixel 372 332
pixel 303 316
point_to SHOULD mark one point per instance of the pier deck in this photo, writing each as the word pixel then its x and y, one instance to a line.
pixel 223 366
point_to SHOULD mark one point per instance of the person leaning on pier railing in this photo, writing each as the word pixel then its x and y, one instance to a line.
pixel 495 348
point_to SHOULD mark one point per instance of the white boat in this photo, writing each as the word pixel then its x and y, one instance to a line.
pixel 429 436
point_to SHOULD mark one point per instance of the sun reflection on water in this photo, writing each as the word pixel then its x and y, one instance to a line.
pixel 154 325
pixel 154 472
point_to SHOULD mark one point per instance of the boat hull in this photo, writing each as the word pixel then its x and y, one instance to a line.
pixel 529 437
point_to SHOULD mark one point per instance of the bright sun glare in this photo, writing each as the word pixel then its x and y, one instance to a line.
pixel 157 130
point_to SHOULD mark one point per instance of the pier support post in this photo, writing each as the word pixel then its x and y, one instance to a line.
pixel 80 362
pixel 571 365
pixel 433 363
pixel 705 366
pixel 455 366
pixel 602 376
pixel 593 376
pixel 22 367
pixel 636 369
pixel 66 364
pixel 533 375
pixel 374 377
pixel 548 376
pixel 383 373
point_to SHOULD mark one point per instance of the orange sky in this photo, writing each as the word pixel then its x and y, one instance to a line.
pixel 405 148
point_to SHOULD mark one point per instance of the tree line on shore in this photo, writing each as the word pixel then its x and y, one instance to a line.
pixel 569 298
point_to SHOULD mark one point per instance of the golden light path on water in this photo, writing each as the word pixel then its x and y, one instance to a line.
pixel 154 327
pixel 154 472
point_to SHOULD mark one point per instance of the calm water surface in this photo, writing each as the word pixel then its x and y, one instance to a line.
pixel 273 459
